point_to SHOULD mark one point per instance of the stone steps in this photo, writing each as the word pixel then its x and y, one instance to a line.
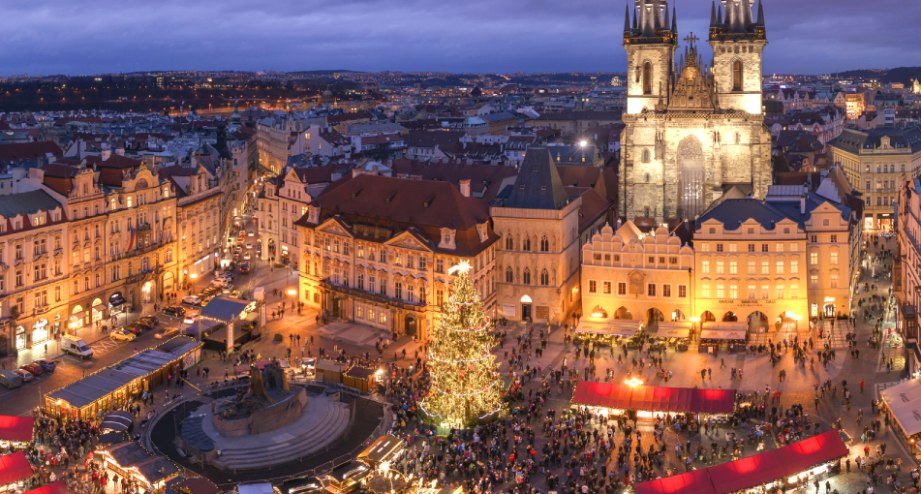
pixel 307 441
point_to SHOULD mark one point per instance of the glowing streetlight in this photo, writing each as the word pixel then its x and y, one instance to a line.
pixel 583 143
pixel 633 382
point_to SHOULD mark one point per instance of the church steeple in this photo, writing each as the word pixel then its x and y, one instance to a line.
pixel 760 21
pixel 626 18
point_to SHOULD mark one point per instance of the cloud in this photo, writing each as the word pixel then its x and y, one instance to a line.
pixel 92 36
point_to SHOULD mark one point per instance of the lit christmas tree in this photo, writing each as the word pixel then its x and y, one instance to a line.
pixel 465 385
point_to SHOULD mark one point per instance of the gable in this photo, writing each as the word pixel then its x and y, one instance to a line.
pixel 333 226
pixel 408 240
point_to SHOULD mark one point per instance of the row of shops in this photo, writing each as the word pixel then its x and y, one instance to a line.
pixel 729 336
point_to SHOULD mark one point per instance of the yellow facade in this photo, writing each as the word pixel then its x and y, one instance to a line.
pixel 199 227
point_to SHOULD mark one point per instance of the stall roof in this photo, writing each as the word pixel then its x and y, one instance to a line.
pixel 753 471
pixel 693 482
pixel 59 487
pixel 904 400
pixel 610 327
pixel 384 448
pixel 95 386
pixel 722 334
pixel 654 398
pixel 194 485
pixel 16 428
pixel 360 372
pixel 153 468
pixel 117 421
pixel 777 463
pixel 224 309
pixel 672 330
pixel 14 467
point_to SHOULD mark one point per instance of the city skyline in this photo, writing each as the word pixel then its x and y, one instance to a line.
pixel 101 36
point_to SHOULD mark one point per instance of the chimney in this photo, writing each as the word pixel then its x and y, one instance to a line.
pixel 465 187
pixel 802 204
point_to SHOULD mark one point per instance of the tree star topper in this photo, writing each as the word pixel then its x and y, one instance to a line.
pixel 461 267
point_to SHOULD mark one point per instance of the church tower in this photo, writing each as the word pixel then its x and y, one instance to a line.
pixel 738 40
pixel 650 39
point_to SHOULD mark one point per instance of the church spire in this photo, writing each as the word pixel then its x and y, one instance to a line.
pixel 760 14
pixel 674 21
pixel 713 14
pixel 627 17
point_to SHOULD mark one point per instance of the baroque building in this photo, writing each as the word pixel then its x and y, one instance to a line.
pixel 692 131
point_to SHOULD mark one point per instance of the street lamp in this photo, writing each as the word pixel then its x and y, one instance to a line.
pixel 633 382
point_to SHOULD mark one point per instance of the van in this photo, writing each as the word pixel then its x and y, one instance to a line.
pixel 76 346
pixel 10 379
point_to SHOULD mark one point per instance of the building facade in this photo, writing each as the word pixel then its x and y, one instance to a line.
pixel 691 135
pixel 877 162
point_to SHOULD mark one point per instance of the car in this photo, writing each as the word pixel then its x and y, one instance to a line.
pixel 25 375
pixel 244 267
pixel 150 321
pixel 247 257
pixel 249 245
pixel 47 364
pixel 175 311
pixel 191 300
pixel 190 319
pixel 250 234
pixel 135 328
pixel 122 334
pixel 34 369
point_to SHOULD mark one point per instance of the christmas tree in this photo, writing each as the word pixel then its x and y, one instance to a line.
pixel 464 374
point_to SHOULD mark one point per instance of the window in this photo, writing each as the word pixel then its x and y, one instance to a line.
pixel 705 291
pixel 605 287
pixel 834 239
pixel 720 291
pixel 752 292
pixel 719 247
pixel 592 286
pixel 814 239
pixel 526 277
pixel 737 75
pixel 544 245
pixel 779 247
pixel 779 267
pixel 813 258
pixel 779 290
pixel 18 279
pixel 509 275
pixel 705 267
pixel 765 267
pixel 440 297
pixel 794 248
pixel 682 291
pixel 651 289
pixel 398 290
pixel 751 247
pixel 764 247
pixel 833 257
pixel 545 280
pixel 439 266
pixel 647 78
pixel 733 267
pixel 509 243
pixel 751 267
pixel 666 290
pixel 705 247
pixel 813 279
pixel 621 288
pixel 720 267
pixel 411 293
pixel 651 259
pixel 733 291
pixel 526 244
pixel 673 260
pixel 371 284
pixel 360 281
pixel 765 292
pixel 794 267
pixel 833 279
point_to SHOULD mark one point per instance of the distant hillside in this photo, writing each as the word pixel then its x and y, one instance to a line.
pixel 900 74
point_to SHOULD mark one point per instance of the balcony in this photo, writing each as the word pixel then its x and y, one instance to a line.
pixel 59 251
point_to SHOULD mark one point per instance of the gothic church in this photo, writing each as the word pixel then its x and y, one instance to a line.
pixel 692 131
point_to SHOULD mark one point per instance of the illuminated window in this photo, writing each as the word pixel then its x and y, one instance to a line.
pixel 705 291
pixel 733 291
pixel 794 267
pixel 833 257
pixel 733 267
pixel 719 267
pixel 705 267
pixel 813 258
pixel 737 75
pixel 779 267
pixel 647 78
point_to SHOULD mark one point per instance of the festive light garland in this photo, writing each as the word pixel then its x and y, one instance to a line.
pixel 464 375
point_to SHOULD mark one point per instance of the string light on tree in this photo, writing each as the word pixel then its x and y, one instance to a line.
pixel 465 384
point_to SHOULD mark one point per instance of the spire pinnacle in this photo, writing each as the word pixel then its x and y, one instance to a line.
pixel 666 24
pixel 713 14
pixel 627 17
pixel 760 14
pixel 674 20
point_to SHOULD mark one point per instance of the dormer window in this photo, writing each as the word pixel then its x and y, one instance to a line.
pixel 447 239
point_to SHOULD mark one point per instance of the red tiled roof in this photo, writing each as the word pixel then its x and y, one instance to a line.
pixel 28 151
pixel 114 161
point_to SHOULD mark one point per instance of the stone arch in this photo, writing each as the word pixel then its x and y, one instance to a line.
pixel 691 177
pixel 623 313
pixel 653 317
pixel 757 320
pixel 509 275
pixel 730 317
pixel 707 316
pixel 526 277
pixel 678 315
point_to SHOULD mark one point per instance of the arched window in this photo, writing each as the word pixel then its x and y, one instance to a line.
pixel 737 75
pixel 526 244
pixel 645 156
pixel 509 243
pixel 526 277
pixel 647 78
pixel 545 278
pixel 509 275
pixel 544 244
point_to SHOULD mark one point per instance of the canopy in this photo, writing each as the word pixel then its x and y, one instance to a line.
pixel 654 398
pixel 14 467
pixel 753 471
pixel 609 327
pixel 59 487
pixel 16 428
pixel 117 421
pixel 693 482
pixel 721 334
pixel 672 330
pixel 777 463
pixel 904 400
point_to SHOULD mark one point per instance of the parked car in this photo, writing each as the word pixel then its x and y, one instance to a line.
pixel 191 300
pixel 136 329
pixel 47 364
pixel 25 375
pixel 149 321
pixel 244 267
pixel 122 334
pixel 75 345
pixel 10 379
pixel 33 368
pixel 175 311
pixel 190 319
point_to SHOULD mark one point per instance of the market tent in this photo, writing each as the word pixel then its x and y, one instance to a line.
pixel 672 330
pixel 611 327
pixel 16 428
pixel 693 482
pixel 654 398
pixel 59 487
pixel 904 401
pixel 14 467
pixel 777 463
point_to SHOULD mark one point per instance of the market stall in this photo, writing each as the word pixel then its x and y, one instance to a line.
pixel 672 334
pixel 114 387
pixel 120 421
pixel 59 487
pixel 14 470
pixel 191 485
pixel 384 449
pixel 788 466
pixel 646 401
pixel 607 331
pixel 16 431
pixel 730 337
pixel 131 461
pixel 902 403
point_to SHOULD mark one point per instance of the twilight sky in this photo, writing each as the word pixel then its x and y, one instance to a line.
pixel 95 36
